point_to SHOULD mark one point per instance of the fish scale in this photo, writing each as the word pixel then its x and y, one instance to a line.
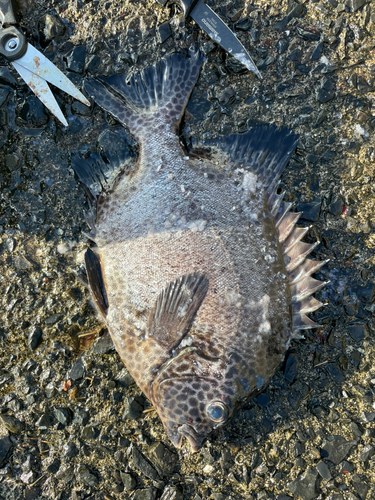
pixel 194 258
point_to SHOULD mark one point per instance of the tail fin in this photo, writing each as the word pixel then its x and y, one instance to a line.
pixel 156 96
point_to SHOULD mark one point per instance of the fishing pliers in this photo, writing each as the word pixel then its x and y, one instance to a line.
pixel 35 69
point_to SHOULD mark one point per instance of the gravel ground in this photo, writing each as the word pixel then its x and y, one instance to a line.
pixel 72 423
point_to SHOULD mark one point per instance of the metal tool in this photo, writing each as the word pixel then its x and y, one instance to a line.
pixel 35 69
pixel 211 23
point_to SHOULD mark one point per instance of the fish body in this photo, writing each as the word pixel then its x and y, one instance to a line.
pixel 198 268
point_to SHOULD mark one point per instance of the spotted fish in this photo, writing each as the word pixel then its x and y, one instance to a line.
pixel 198 268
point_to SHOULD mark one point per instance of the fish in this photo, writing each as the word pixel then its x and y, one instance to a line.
pixel 197 266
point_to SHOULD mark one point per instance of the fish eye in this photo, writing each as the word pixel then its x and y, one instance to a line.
pixel 217 411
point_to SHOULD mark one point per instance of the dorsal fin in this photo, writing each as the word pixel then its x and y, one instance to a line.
pixel 298 266
pixel 265 150
pixel 175 309
pixel 96 282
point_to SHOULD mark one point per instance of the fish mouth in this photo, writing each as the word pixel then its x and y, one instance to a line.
pixel 190 434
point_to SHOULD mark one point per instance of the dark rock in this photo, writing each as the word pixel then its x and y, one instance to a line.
pixel 356 429
pixel 368 417
pixel 75 59
pixel 254 34
pixel 12 424
pixel 78 370
pixel 307 35
pixel 172 493
pixel 117 487
pixel 22 263
pixel 305 486
pixel 335 207
pixel 295 55
pixel 317 52
pixel 295 10
pixel 312 158
pixel 81 416
pixel 163 459
pixel 336 449
pixel 33 112
pixel 145 494
pixel 128 480
pixel 363 85
pixel 54 466
pixel 356 4
pixel 65 474
pixel 3 95
pixel 234 66
pixel 370 433
pixel 244 24
pixel 323 470
pixel 282 45
pixel 346 467
pixel 357 331
pixel 35 337
pixel 124 378
pixel 297 393
pixel 321 117
pixel 226 96
pixel 262 400
pixel 367 452
pixel 327 84
pixel 44 421
pixel 93 63
pixel 70 450
pixel 134 407
pixel 324 95
pixel 50 390
pixel 86 477
pixel 328 155
pixel 63 415
pixel 51 27
pixel 207 48
pixel 360 486
pixel 198 107
pixel 335 372
pixel 352 80
pixel 143 465
pixel 81 109
pixel 103 345
pixel 6 446
pixel 89 432
pixel 164 32
pixel 219 496
pixel 291 366
pixel 6 76
pixel 310 210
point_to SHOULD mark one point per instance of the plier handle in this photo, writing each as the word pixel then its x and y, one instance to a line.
pixel 35 69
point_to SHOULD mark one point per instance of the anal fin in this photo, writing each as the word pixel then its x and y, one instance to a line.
pixel 96 281
pixel 175 309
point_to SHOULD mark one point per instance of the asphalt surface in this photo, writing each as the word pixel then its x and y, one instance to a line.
pixel 72 423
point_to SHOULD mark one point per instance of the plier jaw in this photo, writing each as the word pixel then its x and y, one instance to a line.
pixel 34 68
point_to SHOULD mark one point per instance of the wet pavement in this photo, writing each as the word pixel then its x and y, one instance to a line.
pixel 72 423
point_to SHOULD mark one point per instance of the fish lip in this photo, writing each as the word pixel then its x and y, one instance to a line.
pixel 189 432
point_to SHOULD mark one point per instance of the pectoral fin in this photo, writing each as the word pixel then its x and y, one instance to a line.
pixel 175 309
pixel 96 281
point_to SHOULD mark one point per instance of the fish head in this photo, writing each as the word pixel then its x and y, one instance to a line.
pixel 191 407
pixel 193 396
